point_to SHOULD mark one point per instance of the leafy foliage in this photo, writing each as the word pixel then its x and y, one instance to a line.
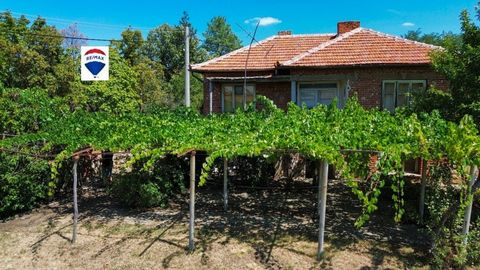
pixel 219 38
pixel 459 63
pixel 23 183
pixel 438 39
pixel 153 187
pixel 27 56
pixel 24 111
pixel 319 133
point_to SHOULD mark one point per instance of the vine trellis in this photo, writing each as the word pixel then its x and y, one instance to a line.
pixel 324 133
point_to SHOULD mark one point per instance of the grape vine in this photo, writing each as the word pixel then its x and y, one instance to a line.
pixel 318 133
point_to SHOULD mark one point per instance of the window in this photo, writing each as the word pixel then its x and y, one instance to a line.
pixel 397 93
pixel 232 97
pixel 312 94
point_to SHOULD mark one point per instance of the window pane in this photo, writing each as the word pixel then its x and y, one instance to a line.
pixel 402 94
pixel 227 99
pixel 238 96
pixel 317 93
pixel 250 93
pixel 308 97
pixel 420 86
pixel 388 96
pixel 326 96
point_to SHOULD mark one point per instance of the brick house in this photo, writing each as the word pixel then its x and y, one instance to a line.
pixel 315 68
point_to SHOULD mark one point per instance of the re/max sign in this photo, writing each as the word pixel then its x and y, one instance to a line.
pixel 95 57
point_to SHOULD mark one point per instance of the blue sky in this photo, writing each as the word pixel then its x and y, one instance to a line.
pixel 106 19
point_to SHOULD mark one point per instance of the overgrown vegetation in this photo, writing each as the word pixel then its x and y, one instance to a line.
pixel 50 111
pixel 40 82
pixel 151 187
pixel 459 63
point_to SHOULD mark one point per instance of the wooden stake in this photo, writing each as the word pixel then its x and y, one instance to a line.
pixel 421 206
pixel 75 205
pixel 468 210
pixel 322 203
pixel 191 228
pixel 225 184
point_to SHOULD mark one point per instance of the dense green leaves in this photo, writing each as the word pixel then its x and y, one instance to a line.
pixel 460 63
pixel 219 38
pixel 23 183
pixel 319 133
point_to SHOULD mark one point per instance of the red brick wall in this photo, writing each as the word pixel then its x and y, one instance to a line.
pixel 366 83
pixel 279 92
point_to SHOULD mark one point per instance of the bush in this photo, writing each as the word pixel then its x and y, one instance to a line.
pixel 252 171
pixel 153 187
pixel 24 183
pixel 445 220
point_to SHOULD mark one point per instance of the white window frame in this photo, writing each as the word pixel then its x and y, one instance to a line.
pixel 409 91
pixel 299 90
pixel 233 85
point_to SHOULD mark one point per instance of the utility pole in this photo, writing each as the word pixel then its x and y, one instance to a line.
pixel 187 65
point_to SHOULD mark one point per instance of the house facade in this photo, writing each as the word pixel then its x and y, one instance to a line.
pixel 378 68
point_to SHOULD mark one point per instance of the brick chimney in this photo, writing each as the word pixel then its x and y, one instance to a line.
pixel 285 33
pixel 344 27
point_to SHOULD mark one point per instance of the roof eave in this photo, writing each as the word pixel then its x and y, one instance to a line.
pixel 356 65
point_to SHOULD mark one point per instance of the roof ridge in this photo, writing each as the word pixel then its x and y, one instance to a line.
pixel 321 46
pixel 399 38
pixel 310 35
pixel 244 48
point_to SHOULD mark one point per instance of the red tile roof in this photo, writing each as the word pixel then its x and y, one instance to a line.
pixel 265 54
pixel 357 47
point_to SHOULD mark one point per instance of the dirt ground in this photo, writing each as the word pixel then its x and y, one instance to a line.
pixel 263 229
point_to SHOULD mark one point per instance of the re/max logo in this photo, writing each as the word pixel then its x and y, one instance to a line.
pixel 95 57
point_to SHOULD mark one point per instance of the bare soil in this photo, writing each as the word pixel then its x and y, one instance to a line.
pixel 263 229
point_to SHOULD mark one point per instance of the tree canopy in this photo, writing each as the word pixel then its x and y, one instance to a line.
pixel 460 64
pixel 219 38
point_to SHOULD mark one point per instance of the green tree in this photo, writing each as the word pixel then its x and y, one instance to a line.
pixel 438 39
pixel 460 64
pixel 152 89
pixel 219 37
pixel 130 45
pixel 29 53
pixel 176 91
pixel 165 44
pixel 117 95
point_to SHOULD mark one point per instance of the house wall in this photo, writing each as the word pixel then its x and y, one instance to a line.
pixel 365 82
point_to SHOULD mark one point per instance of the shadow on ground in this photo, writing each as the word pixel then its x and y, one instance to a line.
pixel 271 222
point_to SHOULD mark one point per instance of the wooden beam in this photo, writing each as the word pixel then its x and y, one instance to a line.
pixel 75 203
pixel 191 227
pixel 421 206
pixel 322 203
pixel 225 184
pixel 468 210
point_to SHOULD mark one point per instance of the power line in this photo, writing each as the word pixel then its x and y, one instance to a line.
pixel 108 26
pixel 62 36
pixel 90 24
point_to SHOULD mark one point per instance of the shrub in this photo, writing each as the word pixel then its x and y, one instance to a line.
pixel 252 171
pixel 24 183
pixel 150 187
pixel 445 220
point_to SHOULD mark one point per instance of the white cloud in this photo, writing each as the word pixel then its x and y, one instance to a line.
pixel 264 21
pixel 394 11
pixel 408 24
